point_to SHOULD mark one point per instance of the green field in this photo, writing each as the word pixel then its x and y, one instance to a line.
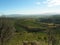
pixel 15 31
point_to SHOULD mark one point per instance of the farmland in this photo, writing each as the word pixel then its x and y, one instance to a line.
pixel 15 31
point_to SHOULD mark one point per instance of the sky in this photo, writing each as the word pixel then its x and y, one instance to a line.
pixel 29 6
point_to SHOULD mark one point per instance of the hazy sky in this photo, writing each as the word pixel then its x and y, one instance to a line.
pixel 29 6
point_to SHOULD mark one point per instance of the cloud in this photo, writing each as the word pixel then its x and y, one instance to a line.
pixel 51 3
pixel 38 3
pixel 44 2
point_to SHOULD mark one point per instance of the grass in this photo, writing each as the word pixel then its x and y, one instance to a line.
pixel 22 35
pixel 18 38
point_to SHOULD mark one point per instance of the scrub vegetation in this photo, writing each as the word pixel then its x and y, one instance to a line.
pixel 33 31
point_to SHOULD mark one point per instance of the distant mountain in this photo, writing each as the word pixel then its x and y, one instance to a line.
pixel 21 15
pixel 12 15
pixel 31 16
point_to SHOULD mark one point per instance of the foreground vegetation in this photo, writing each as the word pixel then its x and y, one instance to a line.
pixel 16 31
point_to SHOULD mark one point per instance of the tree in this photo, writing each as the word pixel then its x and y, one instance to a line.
pixel 6 30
